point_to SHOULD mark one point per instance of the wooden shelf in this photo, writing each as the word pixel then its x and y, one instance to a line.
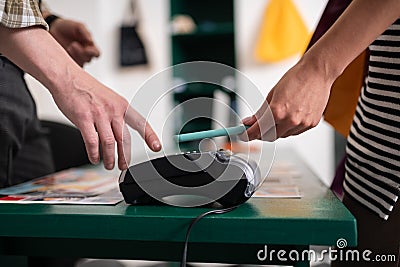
pixel 209 30
pixel 213 40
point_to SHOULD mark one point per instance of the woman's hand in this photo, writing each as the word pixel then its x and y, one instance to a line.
pixel 294 105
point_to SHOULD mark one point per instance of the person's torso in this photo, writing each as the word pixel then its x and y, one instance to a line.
pixel 373 149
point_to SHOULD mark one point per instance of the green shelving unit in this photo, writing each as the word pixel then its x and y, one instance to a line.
pixel 212 40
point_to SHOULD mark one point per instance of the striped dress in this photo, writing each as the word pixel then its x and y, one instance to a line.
pixel 373 147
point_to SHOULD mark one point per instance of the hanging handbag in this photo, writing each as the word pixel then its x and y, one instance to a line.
pixel 132 50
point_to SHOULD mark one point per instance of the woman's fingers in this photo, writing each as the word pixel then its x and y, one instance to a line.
pixel 262 125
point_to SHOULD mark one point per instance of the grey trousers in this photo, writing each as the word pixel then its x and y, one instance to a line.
pixel 24 149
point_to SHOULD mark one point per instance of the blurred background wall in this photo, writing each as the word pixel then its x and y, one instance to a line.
pixel 103 18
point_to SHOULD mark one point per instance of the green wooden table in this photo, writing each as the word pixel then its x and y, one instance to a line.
pixel 157 232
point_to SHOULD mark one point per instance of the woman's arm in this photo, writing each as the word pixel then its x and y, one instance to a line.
pixel 298 100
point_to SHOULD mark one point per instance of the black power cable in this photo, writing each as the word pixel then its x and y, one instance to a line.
pixel 193 222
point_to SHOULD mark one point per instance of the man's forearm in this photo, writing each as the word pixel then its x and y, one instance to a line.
pixel 35 51
pixel 361 23
pixel 95 109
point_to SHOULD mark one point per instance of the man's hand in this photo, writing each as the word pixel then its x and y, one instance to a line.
pixel 95 109
pixel 76 40
pixel 99 113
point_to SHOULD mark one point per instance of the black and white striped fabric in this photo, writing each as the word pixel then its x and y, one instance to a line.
pixel 373 147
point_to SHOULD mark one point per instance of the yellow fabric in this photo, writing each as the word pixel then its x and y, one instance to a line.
pixel 283 32
pixel 344 96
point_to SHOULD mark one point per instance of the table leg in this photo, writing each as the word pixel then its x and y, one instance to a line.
pixel 14 261
pixel 303 264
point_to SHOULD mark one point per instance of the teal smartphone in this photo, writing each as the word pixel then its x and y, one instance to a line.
pixel 211 133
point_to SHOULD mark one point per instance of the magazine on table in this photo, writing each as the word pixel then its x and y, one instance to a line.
pixel 83 185
pixel 281 182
